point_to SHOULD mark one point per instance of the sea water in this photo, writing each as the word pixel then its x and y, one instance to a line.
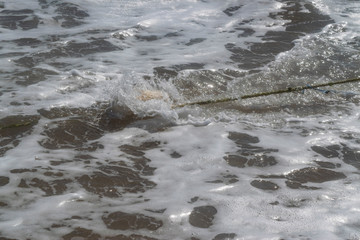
pixel 83 155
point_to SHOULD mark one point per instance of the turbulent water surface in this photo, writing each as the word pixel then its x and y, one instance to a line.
pixel 94 143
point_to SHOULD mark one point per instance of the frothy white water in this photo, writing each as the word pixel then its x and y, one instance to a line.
pixel 149 34
pixel 200 176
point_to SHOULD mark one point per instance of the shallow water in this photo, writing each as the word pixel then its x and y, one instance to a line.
pixel 85 154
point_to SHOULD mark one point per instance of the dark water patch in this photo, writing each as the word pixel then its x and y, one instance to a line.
pixel 13 128
pixel 236 160
pixel 32 42
pixel 32 62
pixel 112 181
pixel 156 211
pixel 329 165
pixel 225 179
pixel 59 162
pixel 13 19
pixel 55 187
pixel 148 38
pixel 53 174
pixel 69 14
pixel 33 76
pixel 16 12
pixel 85 158
pixel 225 236
pixel 297 185
pixel 274 203
pixel 56 225
pixel 231 10
pixel 193 200
pixel 23 184
pixel 246 21
pixel 315 175
pixel 295 203
pixel 203 216
pixel 141 164
pixel 348 155
pixel 331 151
pixel 50 188
pixel 175 155
pixel 15 104
pixel 248 154
pixel 69 134
pixel 27 61
pixel 100 184
pixel 194 41
pixel 131 237
pixel 33 22
pixel 262 161
pixel 264 185
pixel 131 150
pixel 173 34
pixel 131 221
pixel 4 180
pixel 22 170
pixel 242 139
pixel 10 22
pixel 246 58
pixel 297 178
pixel 243 159
pixel 75 49
pixel 71 10
pixel 82 233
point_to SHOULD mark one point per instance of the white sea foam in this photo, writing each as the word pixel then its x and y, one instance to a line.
pixel 188 20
